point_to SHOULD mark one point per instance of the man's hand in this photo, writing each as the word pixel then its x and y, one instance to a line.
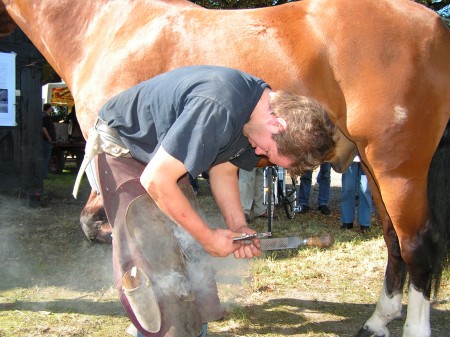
pixel 224 184
pixel 220 243
pixel 246 250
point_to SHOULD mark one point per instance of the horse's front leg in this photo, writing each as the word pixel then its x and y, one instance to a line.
pixel 389 304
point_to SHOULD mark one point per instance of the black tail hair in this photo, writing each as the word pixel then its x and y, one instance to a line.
pixel 439 200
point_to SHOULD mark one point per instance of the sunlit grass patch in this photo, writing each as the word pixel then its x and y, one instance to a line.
pixel 56 283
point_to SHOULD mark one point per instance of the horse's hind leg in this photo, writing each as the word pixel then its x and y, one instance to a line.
pixel 430 249
pixel 389 304
pixel 421 225
pixel 405 200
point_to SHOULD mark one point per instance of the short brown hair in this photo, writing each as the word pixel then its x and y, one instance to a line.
pixel 308 139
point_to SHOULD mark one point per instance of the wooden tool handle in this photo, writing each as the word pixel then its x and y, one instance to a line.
pixel 325 240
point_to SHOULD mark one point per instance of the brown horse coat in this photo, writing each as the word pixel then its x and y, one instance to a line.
pixel 380 68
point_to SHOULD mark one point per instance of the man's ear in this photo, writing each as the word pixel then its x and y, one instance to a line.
pixel 282 124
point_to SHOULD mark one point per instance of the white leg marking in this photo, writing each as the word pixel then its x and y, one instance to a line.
pixel 387 309
pixel 417 322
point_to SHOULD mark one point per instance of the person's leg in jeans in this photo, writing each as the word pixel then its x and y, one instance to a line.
pixel 324 181
pixel 364 201
pixel 246 190
pixel 349 178
pixel 303 192
pixel 258 198
pixel 46 154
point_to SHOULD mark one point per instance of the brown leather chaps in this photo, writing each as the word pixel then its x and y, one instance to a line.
pixel 179 272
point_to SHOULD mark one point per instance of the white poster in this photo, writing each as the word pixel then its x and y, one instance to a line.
pixel 7 89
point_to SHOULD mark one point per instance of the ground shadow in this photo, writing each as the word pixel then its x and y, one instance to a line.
pixel 288 317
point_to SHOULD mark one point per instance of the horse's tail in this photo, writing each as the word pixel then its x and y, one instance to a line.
pixel 439 200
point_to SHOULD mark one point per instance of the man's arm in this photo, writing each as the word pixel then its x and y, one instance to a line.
pixel 160 180
pixel 224 182
pixel 46 134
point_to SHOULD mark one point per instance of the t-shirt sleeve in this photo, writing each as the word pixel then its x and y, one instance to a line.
pixel 198 134
pixel 247 160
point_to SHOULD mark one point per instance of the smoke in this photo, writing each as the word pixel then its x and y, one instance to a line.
pixel 207 272
pixel 46 247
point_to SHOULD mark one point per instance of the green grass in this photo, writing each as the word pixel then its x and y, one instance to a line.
pixel 56 283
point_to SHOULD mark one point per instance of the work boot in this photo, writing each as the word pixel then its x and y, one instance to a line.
pixel 347 225
pixel 324 209
pixel 302 209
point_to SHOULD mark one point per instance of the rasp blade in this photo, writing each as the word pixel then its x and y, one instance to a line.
pixel 281 243
pixel 323 241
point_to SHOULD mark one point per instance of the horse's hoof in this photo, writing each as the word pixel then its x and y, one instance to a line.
pixel 103 238
pixel 97 231
pixel 366 332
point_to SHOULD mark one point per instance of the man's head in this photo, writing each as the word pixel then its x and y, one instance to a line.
pixel 291 131
pixel 47 107
pixel 307 140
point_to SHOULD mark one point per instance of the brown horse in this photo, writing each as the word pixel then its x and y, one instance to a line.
pixel 380 68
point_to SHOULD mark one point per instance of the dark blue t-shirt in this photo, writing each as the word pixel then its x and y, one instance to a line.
pixel 195 113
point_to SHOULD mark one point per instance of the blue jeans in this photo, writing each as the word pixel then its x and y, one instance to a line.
pixel 350 179
pixel 323 179
pixel 46 155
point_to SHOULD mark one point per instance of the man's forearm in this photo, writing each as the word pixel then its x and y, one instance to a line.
pixel 225 187
pixel 174 204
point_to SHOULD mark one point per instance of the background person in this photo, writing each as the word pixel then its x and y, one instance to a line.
pixel 354 180
pixel 194 181
pixel 48 137
pixel 304 190
pixel 251 192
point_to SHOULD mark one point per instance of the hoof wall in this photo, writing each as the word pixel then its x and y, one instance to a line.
pixel 365 332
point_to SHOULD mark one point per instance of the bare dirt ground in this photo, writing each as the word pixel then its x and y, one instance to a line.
pixel 54 282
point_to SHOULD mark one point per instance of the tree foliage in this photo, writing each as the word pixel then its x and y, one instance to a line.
pixel 241 4
pixel 238 4
pixel 434 4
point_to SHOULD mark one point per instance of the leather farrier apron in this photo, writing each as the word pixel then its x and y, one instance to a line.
pixel 165 281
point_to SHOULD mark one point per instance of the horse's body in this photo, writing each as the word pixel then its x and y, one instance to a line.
pixel 380 68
